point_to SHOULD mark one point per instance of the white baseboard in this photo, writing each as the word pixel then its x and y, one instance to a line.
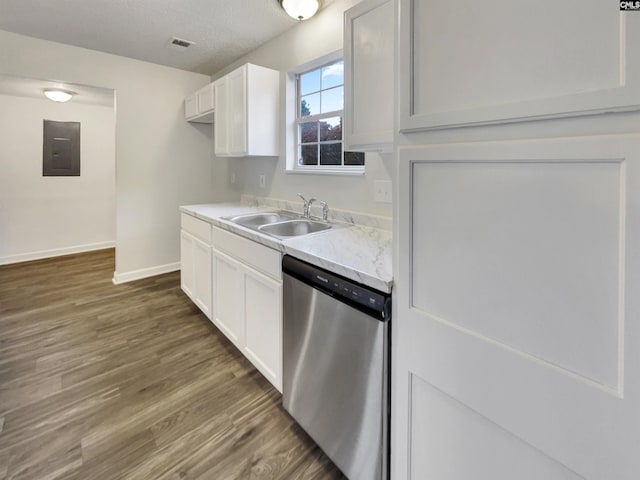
pixel 119 278
pixel 56 252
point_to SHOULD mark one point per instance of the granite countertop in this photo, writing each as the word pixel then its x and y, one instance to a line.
pixel 359 252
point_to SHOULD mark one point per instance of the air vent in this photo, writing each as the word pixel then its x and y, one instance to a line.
pixel 180 44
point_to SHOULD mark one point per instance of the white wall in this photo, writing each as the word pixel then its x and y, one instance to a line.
pixel 161 160
pixel 45 216
pixel 305 42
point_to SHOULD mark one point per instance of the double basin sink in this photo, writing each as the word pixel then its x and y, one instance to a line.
pixel 280 224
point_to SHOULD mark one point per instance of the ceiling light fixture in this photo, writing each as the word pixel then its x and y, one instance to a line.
pixel 300 9
pixel 58 94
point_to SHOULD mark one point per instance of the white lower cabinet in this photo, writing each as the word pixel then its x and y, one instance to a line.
pixel 202 274
pixel 237 283
pixel 263 324
pixel 187 276
pixel 195 259
pixel 228 299
pixel 247 299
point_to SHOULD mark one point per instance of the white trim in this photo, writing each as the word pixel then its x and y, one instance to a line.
pixel 327 171
pixel 55 252
pixel 316 117
pixel 316 63
pixel 119 278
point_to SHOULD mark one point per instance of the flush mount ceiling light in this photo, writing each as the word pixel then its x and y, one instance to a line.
pixel 58 94
pixel 300 9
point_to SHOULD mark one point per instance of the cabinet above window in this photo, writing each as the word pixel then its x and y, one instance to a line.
pixel 368 78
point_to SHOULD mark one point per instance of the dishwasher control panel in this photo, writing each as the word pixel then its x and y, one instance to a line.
pixel 337 286
pixel 349 290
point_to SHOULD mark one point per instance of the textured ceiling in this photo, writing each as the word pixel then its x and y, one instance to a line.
pixel 222 30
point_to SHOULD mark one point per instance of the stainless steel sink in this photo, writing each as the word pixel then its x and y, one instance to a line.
pixel 255 220
pixel 280 224
pixel 293 228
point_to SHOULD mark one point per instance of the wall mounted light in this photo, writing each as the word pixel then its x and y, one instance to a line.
pixel 58 94
pixel 300 9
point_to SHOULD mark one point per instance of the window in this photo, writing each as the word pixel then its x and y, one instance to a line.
pixel 319 106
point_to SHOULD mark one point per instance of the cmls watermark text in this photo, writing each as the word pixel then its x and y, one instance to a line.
pixel 627 5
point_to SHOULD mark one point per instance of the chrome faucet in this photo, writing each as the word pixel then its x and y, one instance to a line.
pixel 325 211
pixel 307 205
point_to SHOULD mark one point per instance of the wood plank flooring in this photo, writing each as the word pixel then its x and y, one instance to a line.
pixel 131 382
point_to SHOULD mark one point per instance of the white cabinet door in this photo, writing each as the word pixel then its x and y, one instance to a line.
pixel 199 107
pixel 191 106
pixel 516 332
pixel 221 124
pixel 228 297
pixel 206 100
pixel 247 112
pixel 368 79
pixel 237 111
pixel 187 273
pixel 263 111
pixel 248 302
pixel 202 276
pixel 493 62
pixel 195 274
pixel 263 320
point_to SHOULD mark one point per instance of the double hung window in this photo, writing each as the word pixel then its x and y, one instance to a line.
pixel 319 105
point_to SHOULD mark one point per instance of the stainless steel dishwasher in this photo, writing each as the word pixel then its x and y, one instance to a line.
pixel 336 366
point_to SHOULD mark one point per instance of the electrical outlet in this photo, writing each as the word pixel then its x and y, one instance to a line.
pixel 382 191
pixel 263 181
pixel 232 178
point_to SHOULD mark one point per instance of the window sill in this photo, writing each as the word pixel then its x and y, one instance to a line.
pixel 326 171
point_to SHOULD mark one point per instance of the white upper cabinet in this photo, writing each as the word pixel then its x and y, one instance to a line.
pixel 494 62
pixel 206 99
pixel 199 107
pixel 191 106
pixel 221 127
pixel 247 116
pixel 369 72
pixel 237 116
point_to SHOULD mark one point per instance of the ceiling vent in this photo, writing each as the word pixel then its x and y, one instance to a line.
pixel 180 44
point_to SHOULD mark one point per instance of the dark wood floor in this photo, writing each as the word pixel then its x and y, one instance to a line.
pixel 131 382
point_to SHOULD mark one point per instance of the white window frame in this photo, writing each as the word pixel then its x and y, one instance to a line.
pixel 291 123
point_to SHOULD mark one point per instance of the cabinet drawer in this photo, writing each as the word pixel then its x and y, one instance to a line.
pixel 196 227
pixel 263 259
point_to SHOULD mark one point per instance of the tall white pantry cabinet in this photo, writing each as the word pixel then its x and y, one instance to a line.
pixel 516 337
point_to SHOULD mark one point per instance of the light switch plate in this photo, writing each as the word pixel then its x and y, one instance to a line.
pixel 382 191
pixel 263 181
